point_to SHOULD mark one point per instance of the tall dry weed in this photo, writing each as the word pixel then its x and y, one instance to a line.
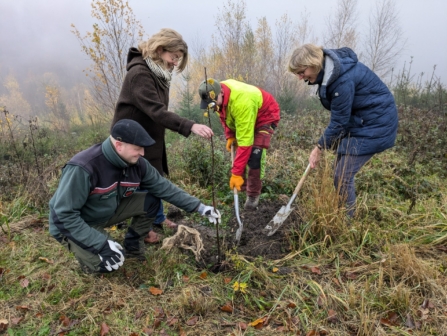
pixel 323 206
pixel 404 266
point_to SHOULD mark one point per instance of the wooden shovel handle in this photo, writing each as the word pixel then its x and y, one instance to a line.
pixel 301 182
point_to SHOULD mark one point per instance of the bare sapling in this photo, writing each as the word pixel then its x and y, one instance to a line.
pixel 213 194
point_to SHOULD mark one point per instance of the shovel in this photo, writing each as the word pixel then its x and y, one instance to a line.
pixel 285 211
pixel 236 204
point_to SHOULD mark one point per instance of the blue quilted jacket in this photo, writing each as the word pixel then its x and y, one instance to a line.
pixel 363 112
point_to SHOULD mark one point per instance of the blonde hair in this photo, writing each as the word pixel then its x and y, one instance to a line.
pixel 169 40
pixel 306 56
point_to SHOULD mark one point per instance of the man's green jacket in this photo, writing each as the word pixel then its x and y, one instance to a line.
pixel 91 187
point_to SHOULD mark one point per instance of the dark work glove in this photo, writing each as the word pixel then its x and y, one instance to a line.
pixel 111 256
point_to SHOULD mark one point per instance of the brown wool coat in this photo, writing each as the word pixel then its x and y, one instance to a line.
pixel 144 99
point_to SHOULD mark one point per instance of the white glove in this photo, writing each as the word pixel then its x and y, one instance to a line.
pixel 208 211
pixel 111 256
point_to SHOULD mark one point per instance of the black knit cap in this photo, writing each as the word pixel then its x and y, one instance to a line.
pixel 129 131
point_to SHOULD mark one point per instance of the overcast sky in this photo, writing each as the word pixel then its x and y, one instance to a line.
pixel 35 34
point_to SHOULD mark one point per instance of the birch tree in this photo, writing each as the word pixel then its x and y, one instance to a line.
pixel 341 26
pixel 384 41
pixel 116 30
pixel 265 53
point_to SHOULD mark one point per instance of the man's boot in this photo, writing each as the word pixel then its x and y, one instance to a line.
pixel 133 245
pixel 251 203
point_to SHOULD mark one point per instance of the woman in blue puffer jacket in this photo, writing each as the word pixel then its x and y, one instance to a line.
pixel 363 112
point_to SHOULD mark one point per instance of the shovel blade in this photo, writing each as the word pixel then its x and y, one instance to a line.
pixel 278 220
pixel 238 234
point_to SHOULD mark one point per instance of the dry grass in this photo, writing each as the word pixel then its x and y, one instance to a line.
pixel 384 274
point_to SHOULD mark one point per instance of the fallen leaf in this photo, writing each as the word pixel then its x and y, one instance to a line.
pixel 23 308
pixel 409 323
pixel 157 322
pixel 134 334
pixel 203 275
pixel 275 269
pixel 47 289
pixel 138 314
pixel 423 313
pixel 24 283
pixel 291 305
pixel 16 320
pixel 160 313
pixel 227 308
pixel 155 291
pixel 393 317
pixel 3 325
pixel 315 269
pixel 335 280
pixel 351 275
pixel 46 260
pixel 442 248
pixel 427 304
pixel 39 315
pixel 242 286
pixel 227 281
pixel 120 304
pixel 312 333
pixel 172 321
pixel 192 321
pixel 332 316
pixel 391 320
pixel 321 300
pixel 46 276
pixel 185 278
pixel 242 325
pixel 148 331
pixel 65 320
pixel 108 310
pixel 181 332
pixel 258 321
pixel 104 329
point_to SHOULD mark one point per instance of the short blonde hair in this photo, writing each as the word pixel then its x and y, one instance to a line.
pixel 308 55
pixel 169 40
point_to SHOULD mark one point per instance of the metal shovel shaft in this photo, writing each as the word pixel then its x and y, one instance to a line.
pixel 236 205
pixel 236 209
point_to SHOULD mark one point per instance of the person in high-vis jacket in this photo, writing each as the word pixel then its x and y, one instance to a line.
pixel 249 116
pixel 106 184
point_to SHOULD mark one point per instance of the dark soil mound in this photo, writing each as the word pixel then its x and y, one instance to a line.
pixel 254 242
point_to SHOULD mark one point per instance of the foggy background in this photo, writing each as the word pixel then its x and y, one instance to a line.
pixel 35 36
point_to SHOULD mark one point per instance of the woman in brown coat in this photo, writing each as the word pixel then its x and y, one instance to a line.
pixel 144 98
